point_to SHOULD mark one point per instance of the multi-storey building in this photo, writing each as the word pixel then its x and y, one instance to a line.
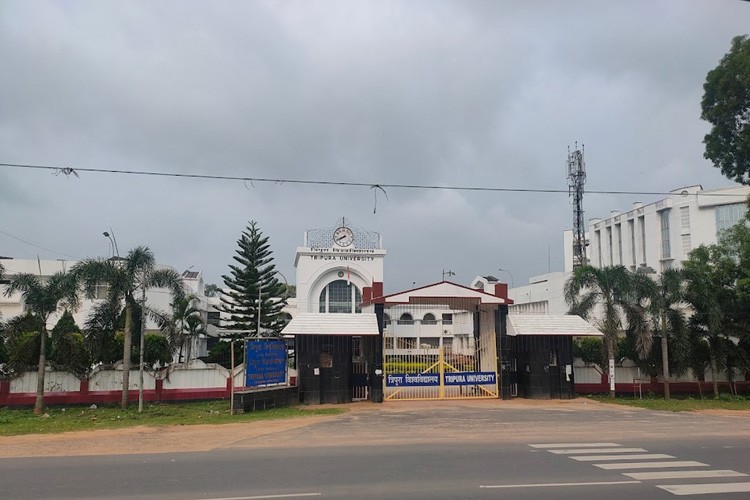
pixel 654 237
pixel 660 235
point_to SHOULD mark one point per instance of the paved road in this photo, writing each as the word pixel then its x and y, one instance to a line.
pixel 427 452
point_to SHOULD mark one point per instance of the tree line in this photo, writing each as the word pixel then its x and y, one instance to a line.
pixel 114 330
pixel 696 318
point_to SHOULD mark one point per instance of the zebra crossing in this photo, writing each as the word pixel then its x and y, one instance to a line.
pixel 641 465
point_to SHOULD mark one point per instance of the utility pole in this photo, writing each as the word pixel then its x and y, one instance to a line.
pixel 142 344
pixel 576 180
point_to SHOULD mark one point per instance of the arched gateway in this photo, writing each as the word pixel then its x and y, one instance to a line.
pixel 352 342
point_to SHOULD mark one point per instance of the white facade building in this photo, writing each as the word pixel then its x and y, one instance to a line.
pixel 658 235
pixel 157 298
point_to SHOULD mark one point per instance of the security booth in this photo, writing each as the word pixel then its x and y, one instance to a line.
pixel 540 354
pixel 441 341
pixel 337 356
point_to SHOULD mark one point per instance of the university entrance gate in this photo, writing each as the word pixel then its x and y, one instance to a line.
pixel 441 347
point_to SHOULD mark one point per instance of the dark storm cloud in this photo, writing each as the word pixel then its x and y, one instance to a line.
pixel 448 93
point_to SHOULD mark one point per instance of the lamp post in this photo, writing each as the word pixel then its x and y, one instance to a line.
pixel 512 281
pixel 112 241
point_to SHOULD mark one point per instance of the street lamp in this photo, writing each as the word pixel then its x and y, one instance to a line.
pixel 512 281
pixel 112 242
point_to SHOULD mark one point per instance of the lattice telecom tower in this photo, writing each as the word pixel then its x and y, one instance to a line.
pixel 576 180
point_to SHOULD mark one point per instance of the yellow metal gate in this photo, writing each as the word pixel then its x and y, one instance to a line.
pixel 434 352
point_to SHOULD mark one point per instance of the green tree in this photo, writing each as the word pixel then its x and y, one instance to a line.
pixel 726 105
pixel 211 290
pixel 251 279
pixel 100 328
pixel 69 351
pixel 612 291
pixel 667 310
pixel 184 325
pixel 43 298
pixel 124 278
pixel 711 275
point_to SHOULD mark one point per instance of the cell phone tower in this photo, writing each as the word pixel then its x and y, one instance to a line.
pixel 576 180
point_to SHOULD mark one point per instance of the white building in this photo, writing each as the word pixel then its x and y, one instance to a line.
pixel 157 298
pixel 658 235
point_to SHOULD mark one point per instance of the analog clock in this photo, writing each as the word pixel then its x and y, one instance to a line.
pixel 343 236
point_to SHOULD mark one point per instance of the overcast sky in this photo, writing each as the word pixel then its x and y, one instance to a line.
pixel 478 93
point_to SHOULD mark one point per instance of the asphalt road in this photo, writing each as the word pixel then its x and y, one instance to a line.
pixel 427 452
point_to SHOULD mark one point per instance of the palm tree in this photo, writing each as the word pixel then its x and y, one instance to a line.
pixel 668 315
pixel 185 324
pixel 615 293
pixel 42 298
pixel 124 277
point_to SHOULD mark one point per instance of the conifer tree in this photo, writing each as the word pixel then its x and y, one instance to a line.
pixel 253 275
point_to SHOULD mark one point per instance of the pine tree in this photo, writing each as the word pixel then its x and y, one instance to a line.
pixel 239 298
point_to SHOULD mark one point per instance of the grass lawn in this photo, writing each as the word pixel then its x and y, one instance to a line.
pixel 725 402
pixel 78 418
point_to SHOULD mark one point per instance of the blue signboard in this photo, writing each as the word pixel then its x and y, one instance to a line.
pixel 265 362
pixel 470 378
pixel 433 379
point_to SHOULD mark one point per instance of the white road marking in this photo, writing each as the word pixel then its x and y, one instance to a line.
pixel 705 489
pixel 683 474
pixel 573 451
pixel 262 497
pixel 549 485
pixel 573 445
pixel 649 465
pixel 597 458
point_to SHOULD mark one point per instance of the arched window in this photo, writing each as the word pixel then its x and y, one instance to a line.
pixel 429 319
pixel 406 319
pixel 386 320
pixel 340 297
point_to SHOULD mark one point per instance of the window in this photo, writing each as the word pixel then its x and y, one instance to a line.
pixel 447 318
pixel 642 223
pixel 686 244
pixel 213 318
pixel 666 251
pixel 609 242
pixel 729 215
pixel 618 234
pixel 685 219
pixel 429 319
pixel 429 342
pixel 599 246
pixel 386 320
pixel 389 342
pixel 631 230
pixel 340 297
pixel 101 290
pixel 406 319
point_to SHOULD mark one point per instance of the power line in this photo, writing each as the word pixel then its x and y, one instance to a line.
pixel 37 246
pixel 74 171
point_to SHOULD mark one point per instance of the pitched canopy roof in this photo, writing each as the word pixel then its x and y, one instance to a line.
pixel 332 324
pixel 545 324
pixel 441 291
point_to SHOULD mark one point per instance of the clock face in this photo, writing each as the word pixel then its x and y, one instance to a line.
pixel 343 236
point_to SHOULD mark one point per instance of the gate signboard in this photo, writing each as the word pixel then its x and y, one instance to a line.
pixel 265 362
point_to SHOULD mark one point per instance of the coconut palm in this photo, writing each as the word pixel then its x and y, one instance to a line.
pixel 42 298
pixel 668 316
pixel 124 277
pixel 184 325
pixel 616 295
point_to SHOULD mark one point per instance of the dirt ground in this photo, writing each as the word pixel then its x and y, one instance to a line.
pixel 317 430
